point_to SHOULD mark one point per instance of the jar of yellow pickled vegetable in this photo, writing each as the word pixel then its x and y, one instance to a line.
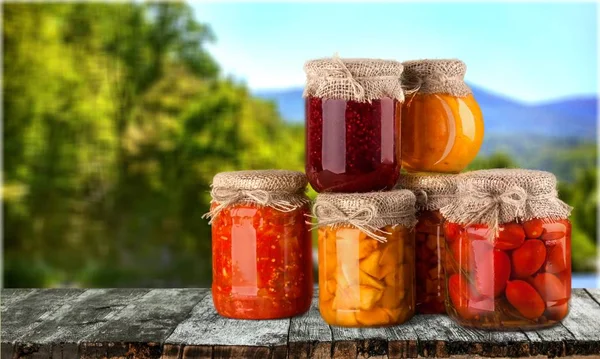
pixel 366 258
pixel 442 124
pixel 433 191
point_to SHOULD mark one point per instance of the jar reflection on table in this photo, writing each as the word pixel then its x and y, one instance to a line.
pixel 352 146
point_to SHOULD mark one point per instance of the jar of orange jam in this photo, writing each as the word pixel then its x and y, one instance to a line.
pixel 442 125
pixel 366 258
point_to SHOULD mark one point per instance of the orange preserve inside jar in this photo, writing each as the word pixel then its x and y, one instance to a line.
pixel 442 124
pixel 353 109
pixel 516 277
pixel 366 280
pixel 261 255
pixel 433 191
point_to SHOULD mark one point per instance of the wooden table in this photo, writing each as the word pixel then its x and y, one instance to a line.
pixel 181 323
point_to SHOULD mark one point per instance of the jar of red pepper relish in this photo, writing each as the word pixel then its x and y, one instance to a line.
pixel 261 244
pixel 433 191
pixel 352 114
pixel 508 250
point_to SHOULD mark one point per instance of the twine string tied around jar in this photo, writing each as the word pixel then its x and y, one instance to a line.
pixel 330 215
pixel 281 201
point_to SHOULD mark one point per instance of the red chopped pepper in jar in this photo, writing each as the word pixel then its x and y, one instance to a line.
pixel 516 274
pixel 261 245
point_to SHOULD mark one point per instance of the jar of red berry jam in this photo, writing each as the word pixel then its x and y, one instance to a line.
pixel 261 244
pixel 508 250
pixel 353 111
pixel 433 191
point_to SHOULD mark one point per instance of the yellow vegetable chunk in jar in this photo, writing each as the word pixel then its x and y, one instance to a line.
pixel 371 284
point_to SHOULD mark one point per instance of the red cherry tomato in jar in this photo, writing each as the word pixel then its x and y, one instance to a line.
pixel 460 293
pixel 550 287
pixel 528 259
pixel 492 269
pixel 511 236
pixel 525 299
pixel 452 231
pixel 556 260
pixel 558 311
pixel 533 228
pixel 462 252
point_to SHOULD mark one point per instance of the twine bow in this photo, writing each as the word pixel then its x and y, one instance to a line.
pixel 281 201
pixel 328 214
pixel 510 203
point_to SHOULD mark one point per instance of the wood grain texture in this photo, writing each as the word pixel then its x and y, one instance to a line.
pixel 182 324
pixel 309 336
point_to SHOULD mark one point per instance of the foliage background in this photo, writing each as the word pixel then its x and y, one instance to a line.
pixel 115 120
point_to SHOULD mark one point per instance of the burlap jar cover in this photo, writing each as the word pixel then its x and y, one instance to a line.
pixel 432 76
pixel 498 196
pixel 279 189
pixel 369 212
pixel 432 191
pixel 360 80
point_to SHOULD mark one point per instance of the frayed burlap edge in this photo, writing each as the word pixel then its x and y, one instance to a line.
pixel 360 80
pixel 499 196
pixel 279 189
pixel 369 212
pixel 432 191
pixel 430 76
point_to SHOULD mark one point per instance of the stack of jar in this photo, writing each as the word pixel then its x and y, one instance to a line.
pixel 490 248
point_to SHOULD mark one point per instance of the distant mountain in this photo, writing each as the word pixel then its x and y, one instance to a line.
pixel 573 118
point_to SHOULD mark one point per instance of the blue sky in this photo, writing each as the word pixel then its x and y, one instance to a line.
pixel 534 52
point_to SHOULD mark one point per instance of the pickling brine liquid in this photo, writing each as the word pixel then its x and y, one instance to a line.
pixel 520 278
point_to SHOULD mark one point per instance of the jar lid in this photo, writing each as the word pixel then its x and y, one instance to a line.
pixel 368 212
pixel 282 190
pixel 433 191
pixel 267 180
pixel 499 196
pixel 361 80
pixel 431 76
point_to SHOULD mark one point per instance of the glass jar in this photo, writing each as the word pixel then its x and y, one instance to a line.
pixel 352 146
pixel 442 124
pixel 432 191
pixel 430 252
pixel 261 255
pixel 353 109
pixel 522 280
pixel 366 279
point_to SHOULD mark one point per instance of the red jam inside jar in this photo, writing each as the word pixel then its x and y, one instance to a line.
pixel 352 146
pixel 262 262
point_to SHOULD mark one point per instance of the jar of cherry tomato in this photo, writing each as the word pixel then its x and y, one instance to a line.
pixel 433 191
pixel 366 258
pixel 442 125
pixel 353 124
pixel 509 250
pixel 261 244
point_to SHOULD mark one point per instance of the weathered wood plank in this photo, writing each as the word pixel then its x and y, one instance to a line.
pixel 33 310
pixel 204 329
pixel 309 336
pixel 11 296
pixel 583 322
pixel 594 293
pixel 83 316
pixel 141 328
